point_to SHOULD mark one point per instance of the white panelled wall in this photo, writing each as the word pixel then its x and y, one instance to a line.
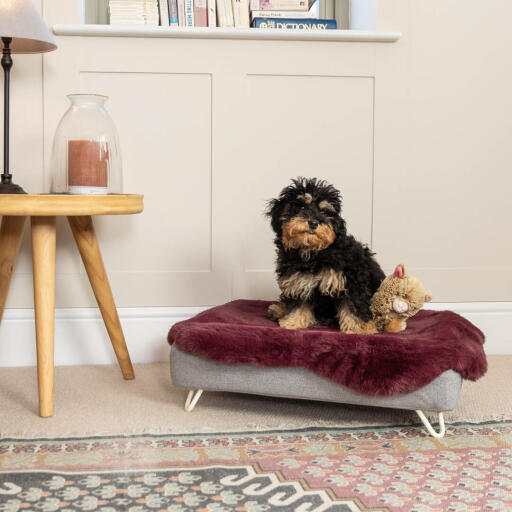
pixel 80 336
pixel 415 133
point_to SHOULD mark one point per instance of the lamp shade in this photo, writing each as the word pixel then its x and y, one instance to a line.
pixel 21 21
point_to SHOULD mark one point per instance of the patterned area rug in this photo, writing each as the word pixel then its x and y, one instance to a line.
pixel 309 470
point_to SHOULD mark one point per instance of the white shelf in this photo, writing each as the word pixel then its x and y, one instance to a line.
pixel 356 36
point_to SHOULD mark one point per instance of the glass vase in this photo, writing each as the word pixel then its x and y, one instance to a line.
pixel 86 157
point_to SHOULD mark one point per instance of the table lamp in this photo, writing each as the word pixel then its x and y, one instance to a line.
pixel 22 30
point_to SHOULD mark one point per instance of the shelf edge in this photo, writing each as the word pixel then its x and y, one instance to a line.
pixel 258 34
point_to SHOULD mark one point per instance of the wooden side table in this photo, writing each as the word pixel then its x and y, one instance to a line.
pixel 42 210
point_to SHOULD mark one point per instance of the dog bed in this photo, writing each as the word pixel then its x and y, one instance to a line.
pixel 420 368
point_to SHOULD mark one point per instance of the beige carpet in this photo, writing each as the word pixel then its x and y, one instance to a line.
pixel 93 400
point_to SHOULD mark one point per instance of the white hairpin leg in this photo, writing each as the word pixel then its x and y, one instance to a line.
pixel 192 398
pixel 429 427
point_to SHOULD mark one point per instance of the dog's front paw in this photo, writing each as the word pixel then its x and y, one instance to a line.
pixel 287 323
pixel 298 318
pixel 291 323
pixel 353 325
pixel 395 325
pixel 276 311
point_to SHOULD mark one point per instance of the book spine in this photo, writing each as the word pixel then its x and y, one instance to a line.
pixel 173 13
pixel 200 13
pixel 212 13
pixel 241 13
pixel 284 14
pixel 279 5
pixel 221 13
pixel 224 13
pixel 292 24
pixel 246 16
pixel 229 14
pixel 181 12
pixel 189 13
pixel 235 5
pixel 164 13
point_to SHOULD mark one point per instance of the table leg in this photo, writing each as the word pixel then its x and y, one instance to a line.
pixel 83 231
pixel 10 241
pixel 43 262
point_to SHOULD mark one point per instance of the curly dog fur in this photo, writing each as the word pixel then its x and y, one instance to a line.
pixel 325 275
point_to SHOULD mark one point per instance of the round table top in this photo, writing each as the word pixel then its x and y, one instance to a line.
pixel 69 204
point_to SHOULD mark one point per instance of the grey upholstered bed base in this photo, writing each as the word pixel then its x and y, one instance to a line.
pixel 194 372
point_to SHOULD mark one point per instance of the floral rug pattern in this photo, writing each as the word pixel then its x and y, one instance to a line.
pixel 309 470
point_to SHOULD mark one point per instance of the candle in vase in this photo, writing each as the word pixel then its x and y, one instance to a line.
pixel 87 167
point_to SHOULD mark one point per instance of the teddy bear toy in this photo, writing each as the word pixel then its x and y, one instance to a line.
pixel 399 297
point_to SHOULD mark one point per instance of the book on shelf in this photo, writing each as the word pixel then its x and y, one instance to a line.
pixel 311 14
pixel 163 7
pixel 279 14
pixel 189 13
pixel 212 13
pixel 241 13
pixel 173 12
pixel 200 13
pixel 224 13
pixel 181 12
pixel 279 5
pixel 294 24
pixel 134 12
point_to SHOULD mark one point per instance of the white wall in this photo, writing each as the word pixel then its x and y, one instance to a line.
pixel 415 133
pixel 443 146
pixel 81 338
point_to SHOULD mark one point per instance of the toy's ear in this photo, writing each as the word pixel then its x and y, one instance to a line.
pixel 428 297
pixel 399 271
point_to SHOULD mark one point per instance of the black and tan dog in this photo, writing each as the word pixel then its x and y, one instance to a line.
pixel 325 275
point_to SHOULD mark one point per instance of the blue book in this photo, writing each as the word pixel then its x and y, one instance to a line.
pixel 294 24
pixel 173 13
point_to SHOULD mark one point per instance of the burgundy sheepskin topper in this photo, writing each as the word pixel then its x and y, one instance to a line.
pixel 373 364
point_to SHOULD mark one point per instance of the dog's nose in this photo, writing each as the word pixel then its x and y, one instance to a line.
pixel 313 224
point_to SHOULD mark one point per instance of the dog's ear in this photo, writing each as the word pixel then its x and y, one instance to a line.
pixel 270 207
pixel 340 227
pixel 274 211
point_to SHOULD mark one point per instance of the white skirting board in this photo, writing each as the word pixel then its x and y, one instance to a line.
pixel 81 338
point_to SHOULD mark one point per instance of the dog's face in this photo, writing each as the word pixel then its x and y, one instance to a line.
pixel 306 215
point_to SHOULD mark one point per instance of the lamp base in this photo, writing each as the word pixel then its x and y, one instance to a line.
pixel 11 188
